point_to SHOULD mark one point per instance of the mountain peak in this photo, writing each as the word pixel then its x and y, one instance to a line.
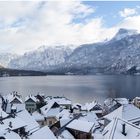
pixel 124 32
pixel 127 31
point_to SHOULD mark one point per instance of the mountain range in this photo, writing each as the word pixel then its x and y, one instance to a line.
pixel 121 54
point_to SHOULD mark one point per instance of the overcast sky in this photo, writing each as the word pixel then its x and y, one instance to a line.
pixel 25 26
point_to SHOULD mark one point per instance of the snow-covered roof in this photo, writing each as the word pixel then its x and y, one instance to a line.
pixel 137 98
pixel 76 105
pixel 42 133
pixel 127 111
pixel 112 101
pixel 115 113
pixel 98 134
pixel 114 130
pixel 64 121
pixel 9 134
pixel 65 114
pixel 66 135
pixel 47 110
pixel 29 120
pixel 31 97
pixel 80 125
pixel 11 97
pixel 15 123
pixel 2 113
pixel 90 117
pixel 53 112
pixel 19 107
pixel 37 116
pixel 3 127
pixel 59 100
pixel 89 106
pixel 62 101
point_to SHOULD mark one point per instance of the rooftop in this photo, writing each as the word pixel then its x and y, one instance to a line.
pixel 80 125
pixel 42 133
pixel 114 130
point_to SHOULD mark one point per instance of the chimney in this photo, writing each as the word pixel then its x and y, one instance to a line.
pixel 10 124
pixel 124 129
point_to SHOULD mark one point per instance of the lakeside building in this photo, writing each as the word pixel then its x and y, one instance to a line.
pixel 136 101
pixel 58 118
pixel 31 103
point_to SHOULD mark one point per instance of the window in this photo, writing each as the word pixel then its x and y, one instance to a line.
pixel 50 122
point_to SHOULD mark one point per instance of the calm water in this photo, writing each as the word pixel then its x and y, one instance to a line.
pixel 77 88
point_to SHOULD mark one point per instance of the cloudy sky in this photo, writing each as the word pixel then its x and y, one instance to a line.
pixel 25 26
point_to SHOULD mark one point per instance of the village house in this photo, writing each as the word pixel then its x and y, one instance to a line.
pixel 90 117
pixel 62 101
pixel 64 117
pixel 121 129
pixel 40 100
pixel 76 107
pixel 11 122
pixel 94 107
pixel 31 103
pixel 111 104
pixel 136 102
pixel 50 111
pixel 12 100
pixel 81 129
pixel 21 125
pixel 15 124
pixel 31 124
pixel 39 118
pixel 127 112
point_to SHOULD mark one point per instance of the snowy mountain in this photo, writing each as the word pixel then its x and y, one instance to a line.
pixel 118 55
pixel 115 56
pixel 44 58
pixel 5 58
pixel 122 33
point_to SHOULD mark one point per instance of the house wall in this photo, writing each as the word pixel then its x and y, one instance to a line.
pixel 15 101
pixel 50 121
pixel 137 103
pixel 30 106
pixel 80 135
pixel 41 122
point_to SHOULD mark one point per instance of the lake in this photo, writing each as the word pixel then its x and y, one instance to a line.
pixel 77 88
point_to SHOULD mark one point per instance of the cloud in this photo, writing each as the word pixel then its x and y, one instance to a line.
pixel 26 26
pixel 132 22
pixel 127 12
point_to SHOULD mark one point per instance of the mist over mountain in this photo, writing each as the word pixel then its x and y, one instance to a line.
pixel 5 58
pixel 117 55
pixel 44 58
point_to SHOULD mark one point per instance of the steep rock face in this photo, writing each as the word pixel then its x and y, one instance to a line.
pixel 115 56
pixel 44 58
pixel 118 55
pixel 129 56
